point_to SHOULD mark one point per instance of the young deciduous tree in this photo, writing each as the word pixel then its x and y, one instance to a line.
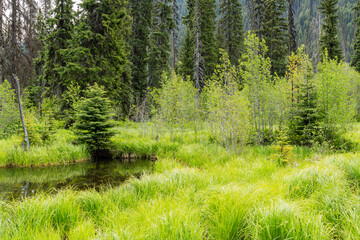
pixel 227 108
pixel 175 103
pixel 335 91
pixel 255 70
pixel 9 114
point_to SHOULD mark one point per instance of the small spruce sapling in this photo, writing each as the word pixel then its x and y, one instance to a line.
pixel 93 121
pixel 283 151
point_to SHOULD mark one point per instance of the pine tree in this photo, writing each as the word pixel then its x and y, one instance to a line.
pixel 355 62
pixel 61 29
pixel 329 34
pixel 187 57
pixel 140 43
pixel 230 33
pixel 274 32
pixel 99 51
pixel 208 49
pixel 162 24
pixel 93 121
pixel 305 117
pixel 198 53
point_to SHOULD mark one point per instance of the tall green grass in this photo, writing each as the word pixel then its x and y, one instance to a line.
pixel 200 191
pixel 60 151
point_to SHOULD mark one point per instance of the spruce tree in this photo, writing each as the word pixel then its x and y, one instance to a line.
pixel 99 51
pixel 162 24
pixel 230 33
pixel 61 29
pixel 208 49
pixel 198 54
pixel 305 117
pixel 355 62
pixel 274 32
pixel 140 43
pixel 93 121
pixel 329 34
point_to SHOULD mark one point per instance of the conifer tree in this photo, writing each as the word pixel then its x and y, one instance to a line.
pixel 329 33
pixel 208 49
pixel 355 62
pixel 99 51
pixel 305 117
pixel 274 32
pixel 140 43
pixel 230 33
pixel 198 54
pixel 93 121
pixel 162 24
pixel 61 29
pixel 187 58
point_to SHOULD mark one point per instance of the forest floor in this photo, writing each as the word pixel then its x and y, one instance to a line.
pixel 198 190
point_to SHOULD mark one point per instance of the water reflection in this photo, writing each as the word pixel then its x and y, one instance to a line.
pixel 17 183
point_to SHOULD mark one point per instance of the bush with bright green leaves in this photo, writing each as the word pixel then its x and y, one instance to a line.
pixel 9 114
pixel 176 104
pixel 227 108
pixel 93 121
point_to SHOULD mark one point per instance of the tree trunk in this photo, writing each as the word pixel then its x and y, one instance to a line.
pixel 13 36
pixel 197 46
pixel 21 112
pixel 1 40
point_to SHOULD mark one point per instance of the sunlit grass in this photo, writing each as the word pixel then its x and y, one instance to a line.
pixel 60 151
pixel 201 191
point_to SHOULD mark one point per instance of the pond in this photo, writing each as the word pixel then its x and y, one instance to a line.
pixel 18 183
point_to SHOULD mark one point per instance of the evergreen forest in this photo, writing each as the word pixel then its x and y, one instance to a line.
pixel 180 119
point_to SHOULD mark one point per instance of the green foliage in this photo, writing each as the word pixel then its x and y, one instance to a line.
pixel 355 61
pixel 230 30
pixel 98 51
pixel 205 13
pixel 93 123
pixel 283 151
pixel 335 91
pixel 176 103
pixel 227 108
pixel 305 117
pixel 69 100
pixel 162 24
pixel 329 41
pixel 274 31
pixel 141 12
pixel 255 70
pixel 55 36
pixel 9 115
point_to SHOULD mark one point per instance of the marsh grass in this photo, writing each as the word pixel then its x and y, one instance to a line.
pixel 201 191
pixel 60 151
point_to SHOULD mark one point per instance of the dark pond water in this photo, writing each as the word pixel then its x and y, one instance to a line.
pixel 17 183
